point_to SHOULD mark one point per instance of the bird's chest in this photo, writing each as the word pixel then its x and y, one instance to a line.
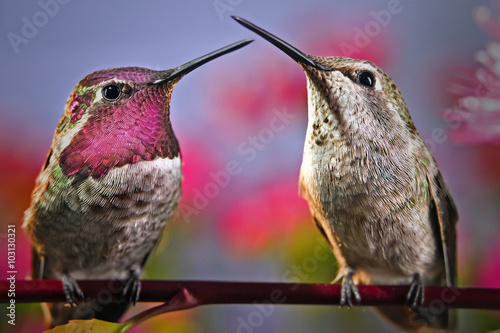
pixel 367 210
pixel 334 178
pixel 114 219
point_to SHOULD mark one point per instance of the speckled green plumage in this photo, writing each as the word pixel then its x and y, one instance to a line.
pixel 111 181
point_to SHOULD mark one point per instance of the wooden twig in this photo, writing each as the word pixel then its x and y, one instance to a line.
pixel 212 292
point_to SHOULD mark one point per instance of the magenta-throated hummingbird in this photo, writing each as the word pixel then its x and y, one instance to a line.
pixel 110 182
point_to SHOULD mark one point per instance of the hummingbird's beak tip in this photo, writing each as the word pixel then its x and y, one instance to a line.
pixel 247 41
pixel 290 50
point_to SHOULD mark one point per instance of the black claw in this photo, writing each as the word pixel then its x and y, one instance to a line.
pixel 72 291
pixel 348 290
pixel 415 296
pixel 132 289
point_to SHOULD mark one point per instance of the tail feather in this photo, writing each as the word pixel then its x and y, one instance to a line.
pixel 418 320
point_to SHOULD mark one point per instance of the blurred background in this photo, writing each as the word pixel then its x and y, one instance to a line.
pixel 253 226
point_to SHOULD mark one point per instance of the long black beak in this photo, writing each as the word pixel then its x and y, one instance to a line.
pixel 172 74
pixel 293 52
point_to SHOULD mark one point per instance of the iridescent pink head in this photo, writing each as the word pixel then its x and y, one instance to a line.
pixel 120 116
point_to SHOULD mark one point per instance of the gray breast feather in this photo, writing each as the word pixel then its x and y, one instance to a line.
pixel 106 224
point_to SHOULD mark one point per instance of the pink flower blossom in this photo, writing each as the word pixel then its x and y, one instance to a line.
pixel 475 117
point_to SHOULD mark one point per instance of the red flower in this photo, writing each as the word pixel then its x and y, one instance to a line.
pixel 20 165
pixel 261 219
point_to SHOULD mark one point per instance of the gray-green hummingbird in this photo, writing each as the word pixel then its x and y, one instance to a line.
pixel 111 180
pixel 373 187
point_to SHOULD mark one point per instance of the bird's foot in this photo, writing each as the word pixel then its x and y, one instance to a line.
pixel 349 289
pixel 132 289
pixel 415 296
pixel 72 291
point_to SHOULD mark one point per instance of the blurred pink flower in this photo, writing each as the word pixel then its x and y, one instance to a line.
pixel 248 97
pixel 17 176
pixel 198 162
pixel 475 117
pixel 261 219
pixel 489 270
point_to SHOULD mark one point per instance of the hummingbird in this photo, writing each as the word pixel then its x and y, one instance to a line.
pixel 111 181
pixel 373 188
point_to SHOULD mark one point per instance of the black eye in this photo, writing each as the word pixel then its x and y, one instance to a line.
pixel 111 92
pixel 367 79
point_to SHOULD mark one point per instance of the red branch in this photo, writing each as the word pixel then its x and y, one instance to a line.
pixel 211 292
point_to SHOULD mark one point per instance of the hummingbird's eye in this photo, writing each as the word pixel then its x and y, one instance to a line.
pixel 367 79
pixel 111 92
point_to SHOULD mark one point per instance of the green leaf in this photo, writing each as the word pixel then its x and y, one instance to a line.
pixel 87 326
